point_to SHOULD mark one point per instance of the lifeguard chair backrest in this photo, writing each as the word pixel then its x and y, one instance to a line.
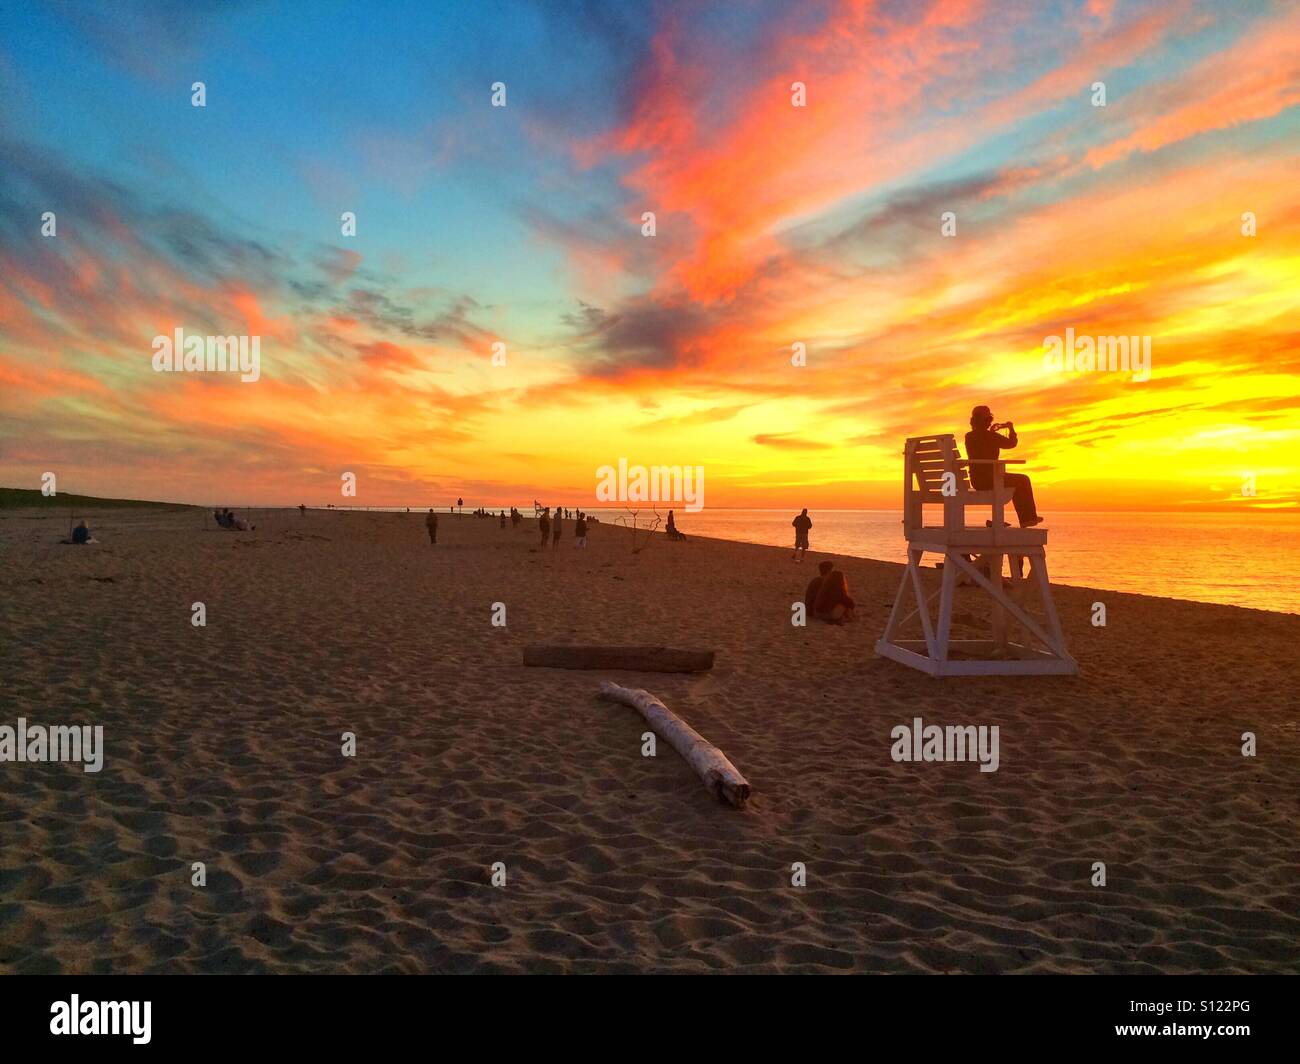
pixel 925 460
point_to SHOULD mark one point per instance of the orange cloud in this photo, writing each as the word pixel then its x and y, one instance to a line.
pixel 1256 79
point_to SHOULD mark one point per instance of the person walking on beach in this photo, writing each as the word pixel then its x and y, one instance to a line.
pixel 555 529
pixel 431 523
pixel 801 525
pixel 544 523
pixel 580 532
pixel 983 442
pixel 503 520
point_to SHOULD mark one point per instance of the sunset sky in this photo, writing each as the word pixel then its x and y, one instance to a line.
pixel 775 225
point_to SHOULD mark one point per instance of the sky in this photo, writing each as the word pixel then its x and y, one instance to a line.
pixel 918 193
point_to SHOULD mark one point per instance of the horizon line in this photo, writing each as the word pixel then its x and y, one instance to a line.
pixel 1222 509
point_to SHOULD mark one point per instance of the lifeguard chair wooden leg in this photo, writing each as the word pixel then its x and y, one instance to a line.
pixel 1014 561
pixel 893 624
pixel 1038 566
pixel 997 615
pixel 947 588
pixel 922 601
pixel 918 653
pixel 910 578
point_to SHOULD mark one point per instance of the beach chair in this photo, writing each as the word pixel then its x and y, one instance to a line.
pixel 934 473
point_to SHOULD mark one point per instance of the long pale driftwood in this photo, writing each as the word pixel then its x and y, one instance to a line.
pixel 638 659
pixel 720 776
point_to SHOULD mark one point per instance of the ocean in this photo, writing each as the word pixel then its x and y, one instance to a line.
pixel 1240 560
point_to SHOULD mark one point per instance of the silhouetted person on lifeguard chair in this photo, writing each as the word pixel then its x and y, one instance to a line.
pixel 983 442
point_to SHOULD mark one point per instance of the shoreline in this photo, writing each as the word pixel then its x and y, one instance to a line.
pixel 35 513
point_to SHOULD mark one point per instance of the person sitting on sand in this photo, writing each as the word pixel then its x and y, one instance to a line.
pixel 80 537
pixel 544 523
pixel 815 586
pixel 672 529
pixel 431 523
pixel 833 603
pixel 983 443
pixel 802 524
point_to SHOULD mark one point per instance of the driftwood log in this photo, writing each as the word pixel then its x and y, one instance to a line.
pixel 720 776
pixel 637 659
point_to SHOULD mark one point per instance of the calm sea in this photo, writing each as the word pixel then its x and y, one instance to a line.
pixel 1238 560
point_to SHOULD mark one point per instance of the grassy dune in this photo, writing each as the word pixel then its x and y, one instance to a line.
pixel 30 498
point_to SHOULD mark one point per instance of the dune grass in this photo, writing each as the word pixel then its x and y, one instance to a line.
pixel 31 498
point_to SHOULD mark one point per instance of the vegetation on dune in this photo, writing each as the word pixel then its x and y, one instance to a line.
pixel 30 498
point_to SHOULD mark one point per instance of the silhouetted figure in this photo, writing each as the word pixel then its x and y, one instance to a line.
pixel 302 509
pixel 544 523
pixel 984 442
pixel 431 523
pixel 815 586
pixel 555 528
pixel 580 531
pixel 515 518
pixel 802 524
pixel 672 529
pixel 81 535
pixel 833 603
pixel 460 504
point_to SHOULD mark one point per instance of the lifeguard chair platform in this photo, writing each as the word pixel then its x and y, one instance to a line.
pixel 935 474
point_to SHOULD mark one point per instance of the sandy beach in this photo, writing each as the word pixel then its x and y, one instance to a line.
pixel 222 745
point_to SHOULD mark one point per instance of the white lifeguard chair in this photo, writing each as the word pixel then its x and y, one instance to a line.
pixel 935 473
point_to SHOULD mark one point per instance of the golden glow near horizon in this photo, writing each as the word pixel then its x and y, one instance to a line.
pixel 948 197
